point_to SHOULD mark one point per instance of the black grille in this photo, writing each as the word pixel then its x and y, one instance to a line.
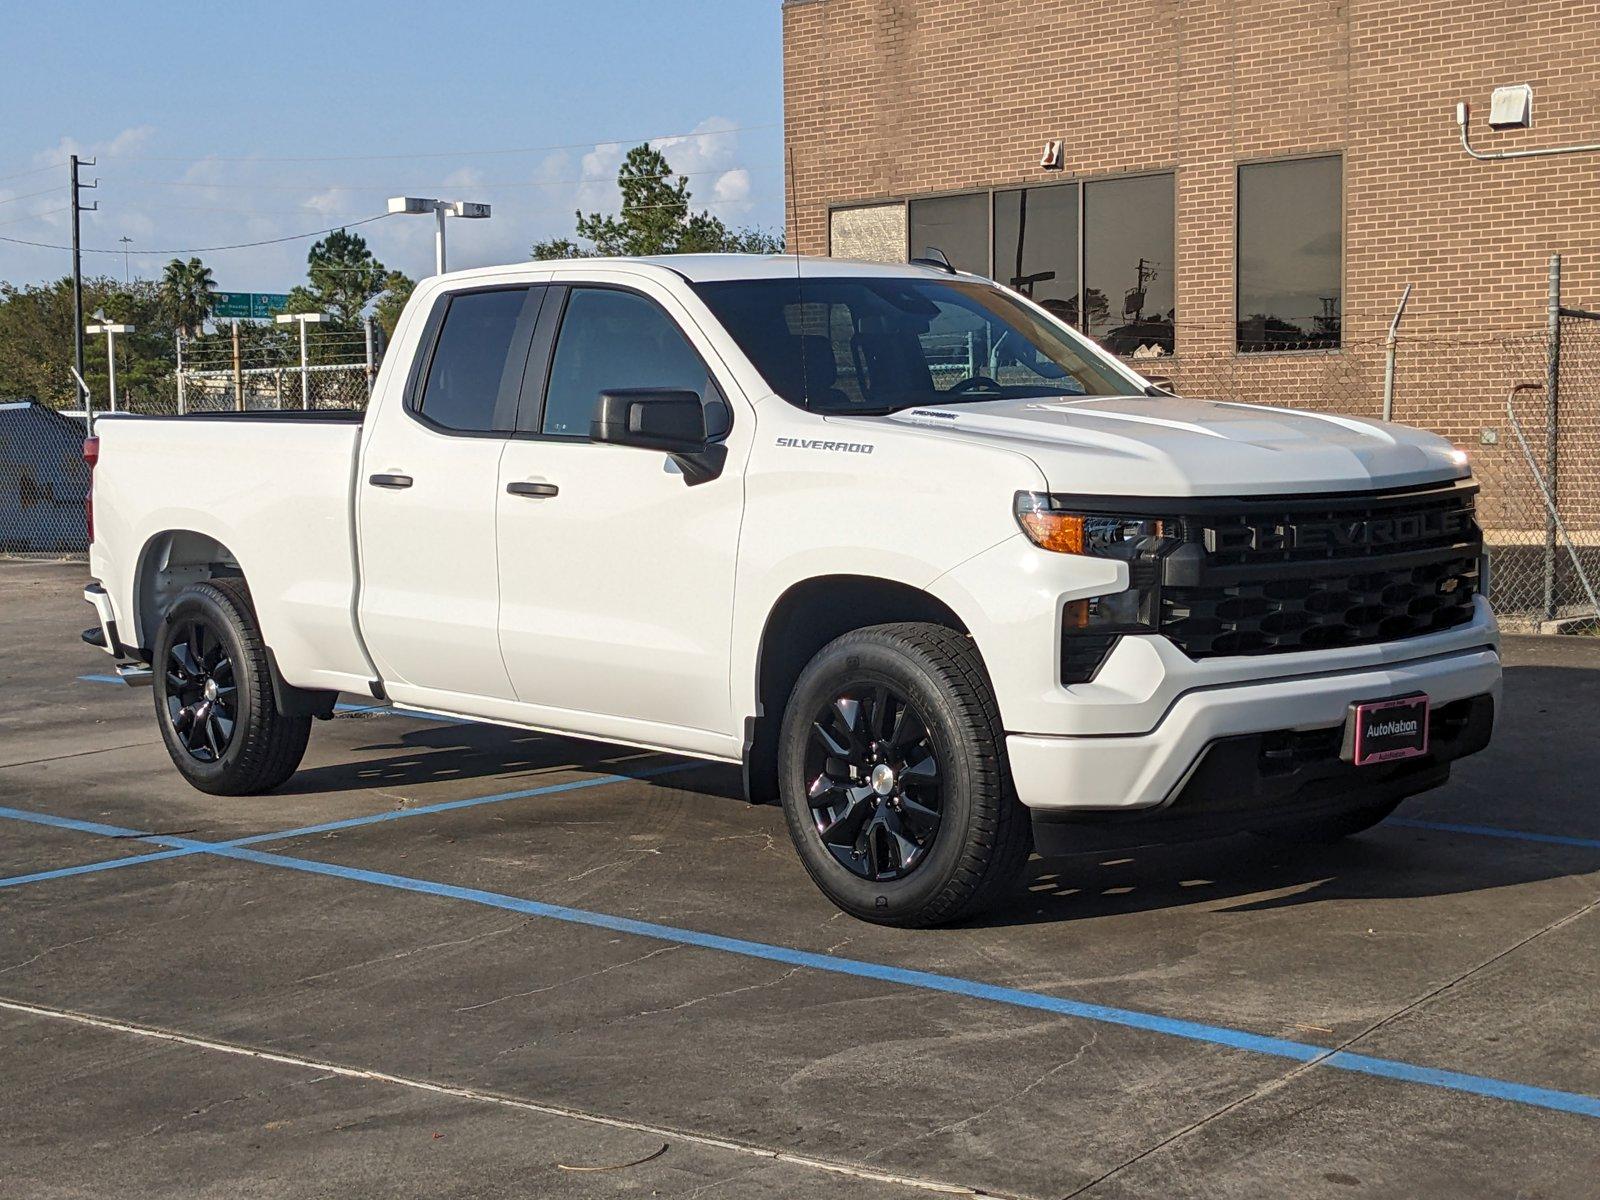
pixel 1310 573
pixel 1295 613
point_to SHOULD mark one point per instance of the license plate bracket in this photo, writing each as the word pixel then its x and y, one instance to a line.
pixel 1380 731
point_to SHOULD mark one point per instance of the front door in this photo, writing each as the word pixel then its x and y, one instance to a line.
pixel 426 497
pixel 616 576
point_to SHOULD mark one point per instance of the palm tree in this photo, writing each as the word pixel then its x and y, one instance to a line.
pixel 186 289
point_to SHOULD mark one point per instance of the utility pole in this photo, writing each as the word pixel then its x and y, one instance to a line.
pixel 127 276
pixel 77 262
pixel 238 373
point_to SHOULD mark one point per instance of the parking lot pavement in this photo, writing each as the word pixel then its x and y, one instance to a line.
pixel 600 935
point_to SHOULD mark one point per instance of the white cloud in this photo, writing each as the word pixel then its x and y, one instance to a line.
pixel 129 141
pixel 731 191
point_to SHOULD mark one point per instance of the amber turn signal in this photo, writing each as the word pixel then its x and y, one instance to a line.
pixel 1058 531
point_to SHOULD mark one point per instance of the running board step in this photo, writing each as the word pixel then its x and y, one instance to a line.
pixel 136 674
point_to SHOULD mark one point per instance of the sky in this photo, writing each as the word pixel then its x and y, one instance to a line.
pixel 216 124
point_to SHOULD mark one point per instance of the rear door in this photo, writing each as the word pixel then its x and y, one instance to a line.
pixel 616 575
pixel 426 497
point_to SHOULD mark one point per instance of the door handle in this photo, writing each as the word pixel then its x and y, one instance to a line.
pixel 390 481
pixel 536 490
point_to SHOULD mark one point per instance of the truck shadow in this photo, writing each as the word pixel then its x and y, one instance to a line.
pixel 1537 776
pixel 400 757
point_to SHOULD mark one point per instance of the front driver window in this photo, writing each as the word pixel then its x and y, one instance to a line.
pixel 610 340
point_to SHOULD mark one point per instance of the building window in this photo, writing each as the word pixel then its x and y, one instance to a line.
pixel 1290 248
pixel 1120 230
pixel 956 225
pixel 1036 246
pixel 875 232
pixel 1128 301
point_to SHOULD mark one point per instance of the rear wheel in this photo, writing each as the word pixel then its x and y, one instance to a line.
pixel 213 694
pixel 1323 831
pixel 893 780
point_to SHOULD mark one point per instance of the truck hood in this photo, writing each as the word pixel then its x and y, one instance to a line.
pixel 1168 446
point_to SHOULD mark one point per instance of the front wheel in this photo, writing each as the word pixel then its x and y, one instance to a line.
pixel 213 693
pixel 893 779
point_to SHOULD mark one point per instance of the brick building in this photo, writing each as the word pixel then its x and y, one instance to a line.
pixel 1246 186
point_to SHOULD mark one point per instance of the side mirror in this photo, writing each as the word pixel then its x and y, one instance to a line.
pixel 670 420
pixel 673 421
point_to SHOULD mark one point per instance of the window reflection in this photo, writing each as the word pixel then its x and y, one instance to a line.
pixel 956 225
pixel 1290 250
pixel 1036 246
pixel 1120 230
pixel 1128 257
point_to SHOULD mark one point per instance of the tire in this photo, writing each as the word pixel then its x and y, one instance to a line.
pixel 877 853
pixel 209 658
pixel 1324 831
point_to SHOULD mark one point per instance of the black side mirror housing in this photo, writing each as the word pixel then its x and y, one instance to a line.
pixel 664 419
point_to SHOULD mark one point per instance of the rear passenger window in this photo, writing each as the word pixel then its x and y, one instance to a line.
pixel 611 340
pixel 478 361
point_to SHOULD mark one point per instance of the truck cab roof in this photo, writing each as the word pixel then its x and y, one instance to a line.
pixel 709 268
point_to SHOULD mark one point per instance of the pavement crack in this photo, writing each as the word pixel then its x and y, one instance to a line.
pixel 621 862
pixel 383 958
pixel 750 987
pixel 30 762
pixel 567 982
pixel 49 950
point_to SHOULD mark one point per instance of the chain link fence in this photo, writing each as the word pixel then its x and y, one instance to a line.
pixel 43 478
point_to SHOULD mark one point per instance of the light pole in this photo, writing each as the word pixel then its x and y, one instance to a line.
pixel 302 320
pixel 418 205
pixel 110 330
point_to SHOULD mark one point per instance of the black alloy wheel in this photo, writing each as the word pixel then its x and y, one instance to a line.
pixel 874 788
pixel 202 691
pixel 893 777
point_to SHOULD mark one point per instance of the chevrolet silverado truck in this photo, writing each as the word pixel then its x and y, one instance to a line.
pixel 937 570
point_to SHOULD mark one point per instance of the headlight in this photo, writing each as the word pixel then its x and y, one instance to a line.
pixel 1091 625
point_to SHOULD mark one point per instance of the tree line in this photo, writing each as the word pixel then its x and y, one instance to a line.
pixel 343 279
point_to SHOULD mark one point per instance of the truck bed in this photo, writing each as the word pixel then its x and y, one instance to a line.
pixel 274 489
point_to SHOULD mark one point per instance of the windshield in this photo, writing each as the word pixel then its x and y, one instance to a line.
pixel 854 345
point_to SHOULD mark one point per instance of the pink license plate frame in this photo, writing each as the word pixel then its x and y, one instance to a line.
pixel 1373 735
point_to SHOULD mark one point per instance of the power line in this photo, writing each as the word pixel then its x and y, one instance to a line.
pixel 293 237
pixel 49 212
pixel 30 195
pixel 593 143
pixel 33 171
pixel 312 185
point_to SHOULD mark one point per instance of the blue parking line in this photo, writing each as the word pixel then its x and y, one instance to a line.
pixel 186 846
pixel 1215 1035
pixel 1494 831
pixel 133 860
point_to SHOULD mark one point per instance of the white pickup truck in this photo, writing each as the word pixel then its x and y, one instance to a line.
pixel 937 570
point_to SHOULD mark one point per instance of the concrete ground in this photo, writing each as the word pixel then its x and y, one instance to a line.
pixel 629 986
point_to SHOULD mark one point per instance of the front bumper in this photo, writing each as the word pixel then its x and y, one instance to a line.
pixel 1130 772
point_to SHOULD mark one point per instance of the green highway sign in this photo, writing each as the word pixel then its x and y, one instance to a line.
pixel 260 306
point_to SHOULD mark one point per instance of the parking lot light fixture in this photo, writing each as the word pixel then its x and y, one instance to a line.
pixel 420 205
pixel 303 319
pixel 110 329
